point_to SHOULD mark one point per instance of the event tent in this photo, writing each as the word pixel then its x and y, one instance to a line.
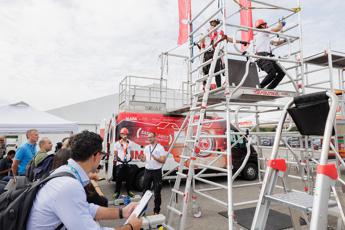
pixel 19 117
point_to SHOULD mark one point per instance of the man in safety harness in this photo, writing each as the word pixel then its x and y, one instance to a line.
pixel 263 44
pixel 213 39
pixel 122 156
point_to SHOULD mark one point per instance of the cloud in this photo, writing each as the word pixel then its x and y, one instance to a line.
pixel 57 52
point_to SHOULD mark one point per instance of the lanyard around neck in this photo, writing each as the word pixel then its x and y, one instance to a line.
pixel 152 150
pixel 76 173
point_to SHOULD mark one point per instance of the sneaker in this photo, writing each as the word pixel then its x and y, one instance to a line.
pixel 116 195
pixel 130 193
pixel 155 213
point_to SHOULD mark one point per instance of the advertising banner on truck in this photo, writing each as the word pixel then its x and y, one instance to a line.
pixel 166 128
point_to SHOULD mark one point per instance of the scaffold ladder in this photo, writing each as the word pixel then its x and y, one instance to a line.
pixel 188 156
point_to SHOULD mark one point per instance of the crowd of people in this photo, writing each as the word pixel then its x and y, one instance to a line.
pixel 77 202
pixel 68 202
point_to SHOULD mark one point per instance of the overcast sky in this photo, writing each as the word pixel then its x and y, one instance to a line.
pixel 58 52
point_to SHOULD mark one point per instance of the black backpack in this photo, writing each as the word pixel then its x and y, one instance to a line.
pixel 15 205
pixel 33 172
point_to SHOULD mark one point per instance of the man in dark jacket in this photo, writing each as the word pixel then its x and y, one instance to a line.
pixel 6 164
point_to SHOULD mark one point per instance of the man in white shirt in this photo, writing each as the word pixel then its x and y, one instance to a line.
pixel 63 199
pixel 154 156
pixel 122 153
pixel 263 44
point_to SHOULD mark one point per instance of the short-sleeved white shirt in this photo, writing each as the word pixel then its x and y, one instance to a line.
pixel 120 147
pixel 262 43
pixel 157 150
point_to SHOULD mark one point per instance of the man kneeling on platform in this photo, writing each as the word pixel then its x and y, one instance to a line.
pixel 263 44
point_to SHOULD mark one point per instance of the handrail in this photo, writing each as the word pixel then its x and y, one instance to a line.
pixel 201 11
pixel 291 79
pixel 207 34
pixel 236 116
pixel 265 57
pixel 173 143
pixel 329 127
pixel 262 31
pixel 143 77
pixel 202 24
pixel 272 5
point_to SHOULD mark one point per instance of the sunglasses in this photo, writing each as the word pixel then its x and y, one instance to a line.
pixel 100 152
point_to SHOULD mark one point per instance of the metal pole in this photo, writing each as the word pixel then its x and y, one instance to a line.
pixel 322 186
pixel 301 45
pixel 330 65
pixel 229 165
pixel 162 73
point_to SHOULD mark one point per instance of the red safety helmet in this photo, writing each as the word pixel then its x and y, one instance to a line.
pixel 260 22
pixel 124 131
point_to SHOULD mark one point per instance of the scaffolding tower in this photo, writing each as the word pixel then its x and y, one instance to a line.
pixel 238 95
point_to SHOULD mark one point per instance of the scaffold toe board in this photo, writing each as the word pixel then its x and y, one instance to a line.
pixel 245 94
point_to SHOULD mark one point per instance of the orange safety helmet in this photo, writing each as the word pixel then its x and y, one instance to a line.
pixel 124 131
pixel 260 22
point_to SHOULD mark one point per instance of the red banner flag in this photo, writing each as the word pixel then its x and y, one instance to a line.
pixel 246 20
pixel 184 8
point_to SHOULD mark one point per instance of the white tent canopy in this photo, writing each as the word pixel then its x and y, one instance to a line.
pixel 19 117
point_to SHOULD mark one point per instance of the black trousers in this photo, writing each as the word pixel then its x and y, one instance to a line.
pixel 219 66
pixel 123 173
pixel 154 176
pixel 274 73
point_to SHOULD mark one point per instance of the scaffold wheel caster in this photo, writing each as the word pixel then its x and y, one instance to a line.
pixel 197 214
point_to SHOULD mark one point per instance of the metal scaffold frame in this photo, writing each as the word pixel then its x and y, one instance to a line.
pixel 232 105
pixel 234 100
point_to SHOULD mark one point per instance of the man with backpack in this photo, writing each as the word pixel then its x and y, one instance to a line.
pixel 62 200
pixel 45 146
pixel 41 164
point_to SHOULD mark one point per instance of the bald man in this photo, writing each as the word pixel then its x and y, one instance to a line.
pixel 45 146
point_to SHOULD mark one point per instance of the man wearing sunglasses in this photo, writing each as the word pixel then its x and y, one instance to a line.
pixel 62 200
pixel 263 44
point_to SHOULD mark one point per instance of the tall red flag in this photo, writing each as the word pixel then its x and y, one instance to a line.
pixel 246 20
pixel 184 8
